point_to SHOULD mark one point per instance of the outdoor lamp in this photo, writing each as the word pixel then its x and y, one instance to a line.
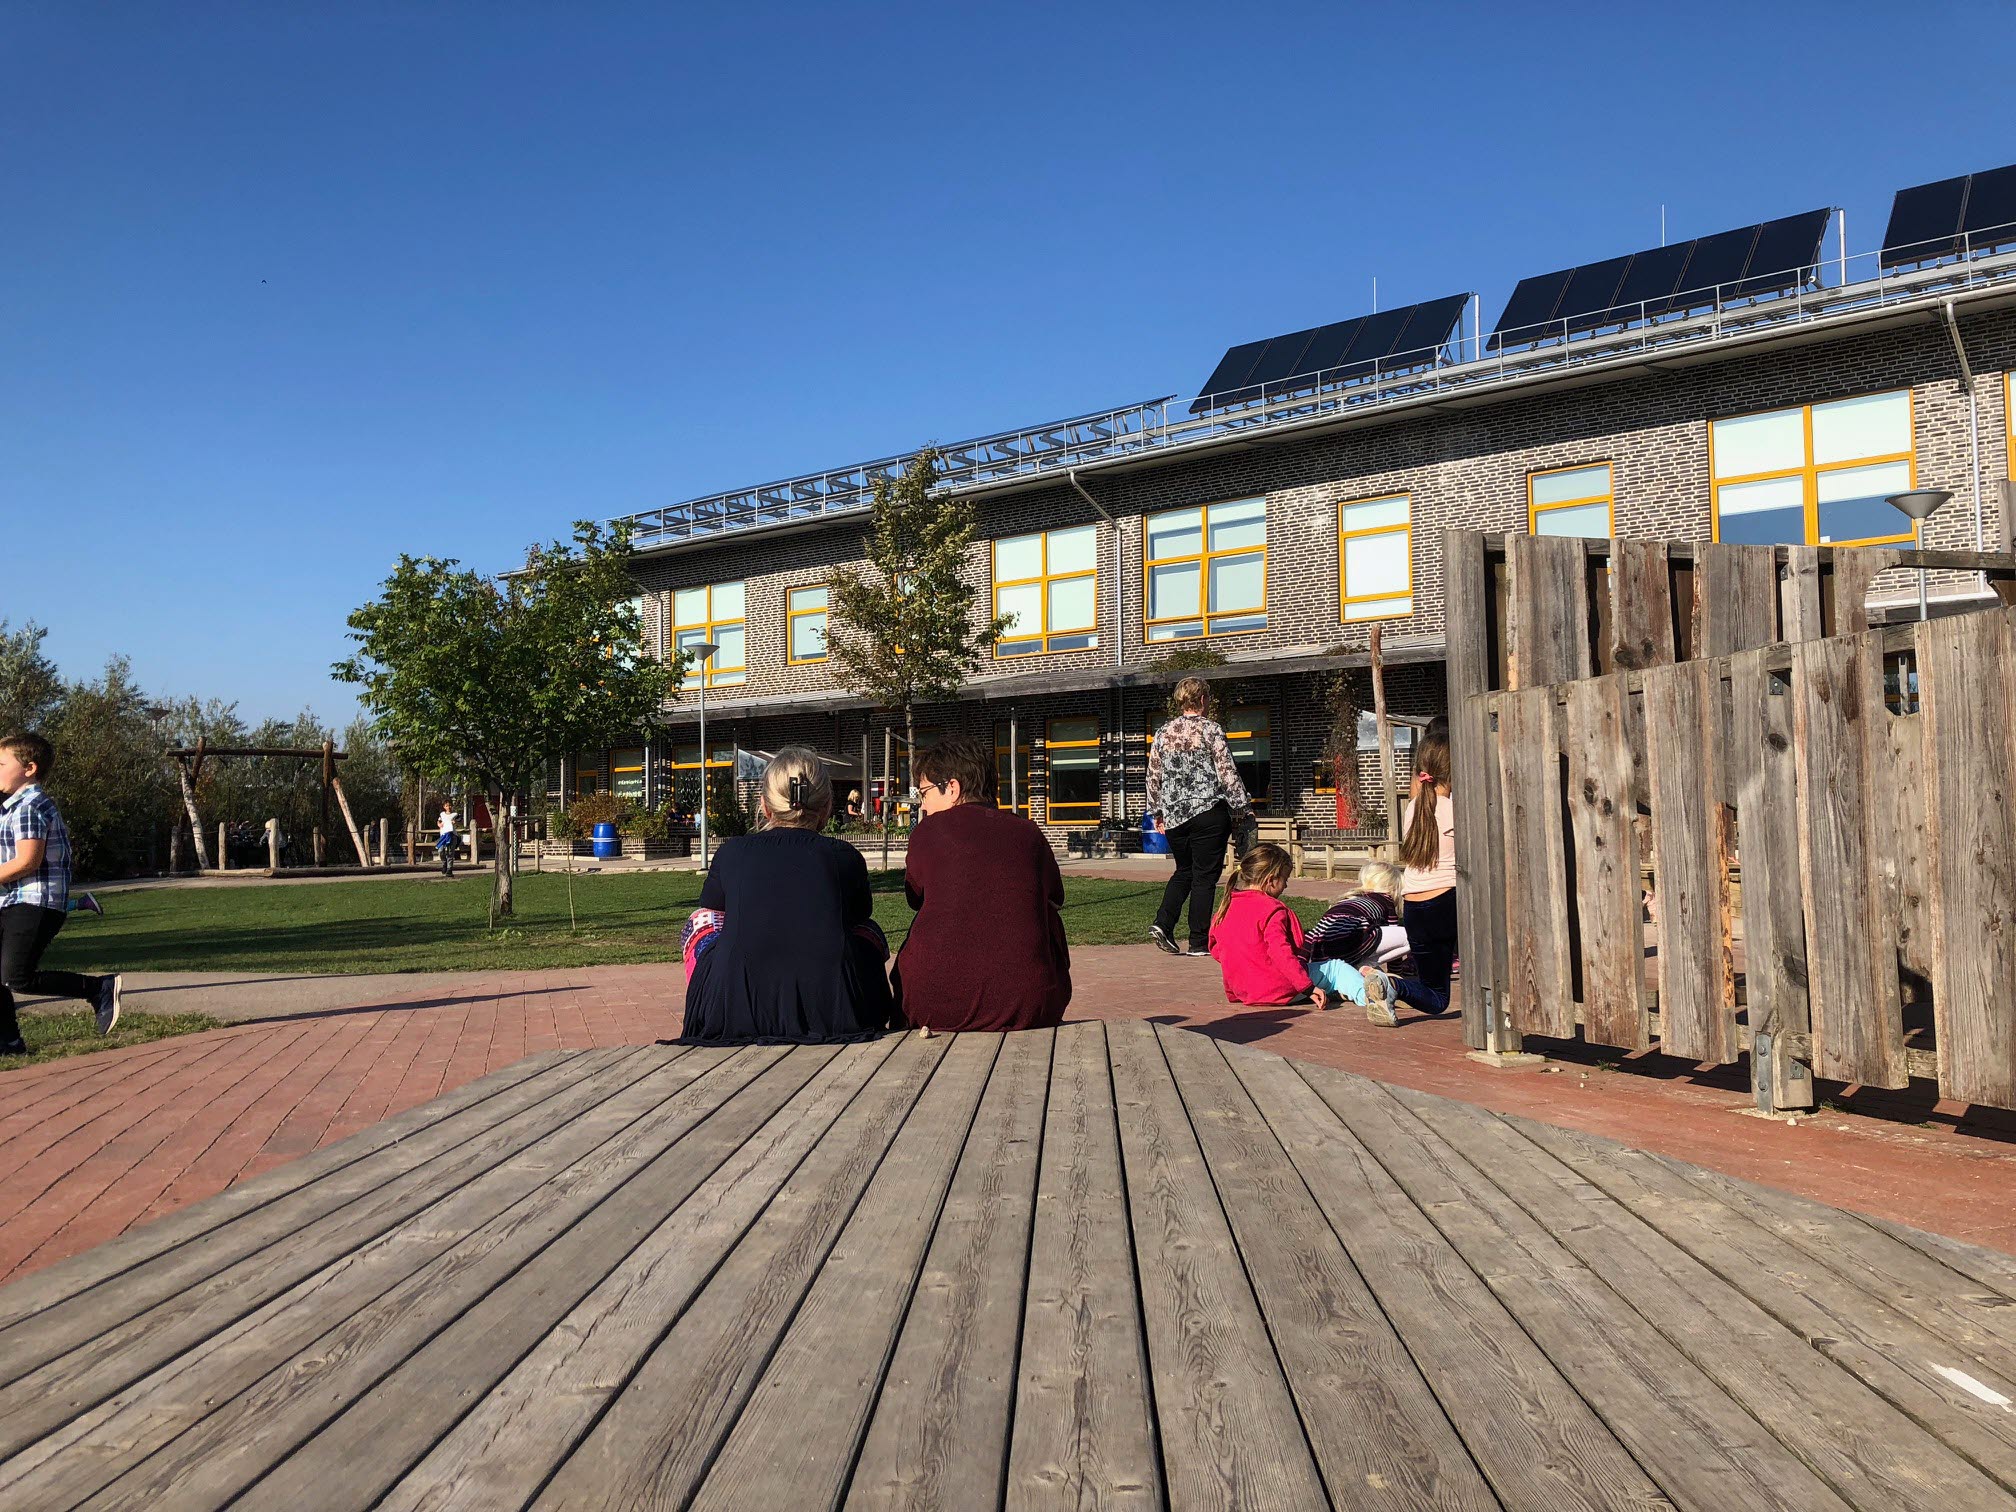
pixel 1920 505
pixel 705 651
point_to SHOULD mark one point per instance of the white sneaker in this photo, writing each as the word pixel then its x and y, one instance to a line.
pixel 1379 999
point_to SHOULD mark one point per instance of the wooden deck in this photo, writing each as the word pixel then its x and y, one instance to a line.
pixel 1117 1266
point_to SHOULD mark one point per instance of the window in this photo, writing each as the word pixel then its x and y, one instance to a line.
pixel 1207 570
pixel 589 776
pixel 1050 582
pixel 626 771
pixel 1071 754
pixel 805 624
pixel 1323 779
pixel 686 771
pixel 1813 476
pixel 1014 793
pixel 1375 557
pixel 713 614
pixel 1571 501
pixel 1249 732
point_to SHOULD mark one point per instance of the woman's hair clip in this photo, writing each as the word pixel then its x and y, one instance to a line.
pixel 797 792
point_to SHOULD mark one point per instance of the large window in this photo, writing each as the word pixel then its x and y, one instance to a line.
pixel 713 613
pixel 1014 784
pixel 1249 732
pixel 589 774
pixel 1049 582
pixel 1375 557
pixel 1571 501
pixel 805 624
pixel 626 770
pixel 1813 476
pixel 1207 570
pixel 686 770
pixel 1071 755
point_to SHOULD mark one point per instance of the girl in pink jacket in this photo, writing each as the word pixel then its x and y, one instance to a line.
pixel 1256 938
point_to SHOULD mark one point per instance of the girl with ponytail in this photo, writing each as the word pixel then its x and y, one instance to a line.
pixel 1429 887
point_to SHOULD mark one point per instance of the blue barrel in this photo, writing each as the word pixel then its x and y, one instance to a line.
pixel 606 843
pixel 1153 841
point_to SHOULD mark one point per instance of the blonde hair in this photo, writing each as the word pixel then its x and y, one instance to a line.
pixel 1261 866
pixel 1378 877
pixel 1192 696
pixel 814 805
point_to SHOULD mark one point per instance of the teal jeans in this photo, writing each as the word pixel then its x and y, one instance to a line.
pixel 1340 977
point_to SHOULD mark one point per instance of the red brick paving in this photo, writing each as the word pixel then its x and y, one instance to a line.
pixel 92 1146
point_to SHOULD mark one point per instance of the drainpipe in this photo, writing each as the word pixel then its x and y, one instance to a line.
pixel 1973 428
pixel 1119 568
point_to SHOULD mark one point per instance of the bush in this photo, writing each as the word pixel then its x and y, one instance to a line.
pixel 601 808
pixel 647 825
pixel 561 824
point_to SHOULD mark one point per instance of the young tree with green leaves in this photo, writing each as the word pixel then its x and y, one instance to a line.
pixel 475 680
pixel 903 629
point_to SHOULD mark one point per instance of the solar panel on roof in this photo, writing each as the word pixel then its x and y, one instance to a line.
pixel 1531 306
pixel 1785 249
pixel 1592 290
pixel 1716 261
pixel 1925 222
pixel 1647 290
pixel 1341 350
pixel 1991 209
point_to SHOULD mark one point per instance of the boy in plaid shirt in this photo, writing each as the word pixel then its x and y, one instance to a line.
pixel 35 892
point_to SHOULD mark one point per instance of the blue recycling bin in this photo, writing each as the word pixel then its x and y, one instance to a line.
pixel 606 843
pixel 1153 841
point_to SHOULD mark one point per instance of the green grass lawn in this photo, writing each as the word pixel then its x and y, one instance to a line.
pixel 424 924
pixel 53 1036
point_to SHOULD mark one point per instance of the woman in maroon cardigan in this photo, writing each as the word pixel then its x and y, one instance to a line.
pixel 987 949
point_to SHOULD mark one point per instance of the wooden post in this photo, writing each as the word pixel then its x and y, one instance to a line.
pixel 349 819
pixel 189 803
pixel 328 777
pixel 384 842
pixel 412 844
pixel 1386 773
pixel 321 846
pixel 273 843
pixel 223 847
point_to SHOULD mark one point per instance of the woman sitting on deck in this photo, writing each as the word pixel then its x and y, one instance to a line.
pixel 987 949
pixel 793 962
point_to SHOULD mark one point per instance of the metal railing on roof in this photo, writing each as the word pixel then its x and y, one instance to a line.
pixel 1164 424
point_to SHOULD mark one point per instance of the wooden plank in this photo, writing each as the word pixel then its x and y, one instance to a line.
pixel 1641 595
pixel 1702 1450
pixel 1968 674
pixel 1539 992
pixel 1873 1455
pixel 1904 856
pixel 1549 629
pixel 1855 569
pixel 192 1292
pixel 1084 1432
pixel 1735 598
pixel 652 1444
pixel 1607 905
pixel 45 1289
pixel 1479 865
pixel 118 1399
pixel 1858 1026
pixel 800 1433
pixel 1230 1434
pixel 1764 772
pixel 1697 981
pixel 939 1435
pixel 1799 595
pixel 573 1322
pixel 1370 1418
pixel 1534 1439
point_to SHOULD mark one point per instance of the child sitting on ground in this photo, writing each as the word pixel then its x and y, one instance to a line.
pixel 1256 938
pixel 1357 933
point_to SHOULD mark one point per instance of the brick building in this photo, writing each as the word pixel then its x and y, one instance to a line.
pixel 1278 531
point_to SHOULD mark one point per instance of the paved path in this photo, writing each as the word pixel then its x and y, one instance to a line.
pixel 1118 1265
pixel 93 1145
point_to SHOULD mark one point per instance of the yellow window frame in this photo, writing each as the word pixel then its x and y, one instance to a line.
pixel 1022 773
pixel 1045 578
pixel 1809 475
pixel 1324 778
pixel 1261 727
pixel 1050 805
pixel 714 671
pixel 1608 498
pixel 1345 598
pixel 1203 558
pixel 791 618
pixel 616 771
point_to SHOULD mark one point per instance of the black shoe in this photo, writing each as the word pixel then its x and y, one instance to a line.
pixel 107 1002
pixel 1161 938
pixel 15 1047
pixel 1194 951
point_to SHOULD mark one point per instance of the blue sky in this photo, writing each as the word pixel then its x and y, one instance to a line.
pixel 292 288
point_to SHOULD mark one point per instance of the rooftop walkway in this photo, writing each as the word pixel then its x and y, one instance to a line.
pixel 1118 1265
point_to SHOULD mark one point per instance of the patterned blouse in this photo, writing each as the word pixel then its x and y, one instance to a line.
pixel 1189 769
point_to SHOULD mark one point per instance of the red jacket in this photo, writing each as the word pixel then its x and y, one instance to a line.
pixel 1258 945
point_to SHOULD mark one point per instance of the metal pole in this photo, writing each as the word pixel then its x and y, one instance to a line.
pixel 1842 225
pixel 703 766
pixel 1014 761
pixel 888 808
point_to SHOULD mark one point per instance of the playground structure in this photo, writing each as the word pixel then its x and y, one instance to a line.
pixel 189 771
pixel 1710 750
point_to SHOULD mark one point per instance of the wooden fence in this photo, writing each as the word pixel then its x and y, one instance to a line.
pixel 1717 724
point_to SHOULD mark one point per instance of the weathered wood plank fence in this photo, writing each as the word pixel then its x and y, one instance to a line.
pixel 1665 747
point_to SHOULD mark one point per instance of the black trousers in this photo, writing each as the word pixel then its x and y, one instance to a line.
pixel 1431 937
pixel 1197 846
pixel 25 932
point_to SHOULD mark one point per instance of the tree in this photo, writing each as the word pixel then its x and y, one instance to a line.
pixel 30 686
pixel 111 777
pixel 473 680
pixel 904 629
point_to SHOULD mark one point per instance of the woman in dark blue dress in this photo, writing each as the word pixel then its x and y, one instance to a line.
pixel 797 960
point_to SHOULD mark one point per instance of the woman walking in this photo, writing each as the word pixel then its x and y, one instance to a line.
pixel 1195 792
pixel 1429 886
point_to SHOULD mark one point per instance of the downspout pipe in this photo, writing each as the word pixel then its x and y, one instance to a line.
pixel 1973 425
pixel 1119 567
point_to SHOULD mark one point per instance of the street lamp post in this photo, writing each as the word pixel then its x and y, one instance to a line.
pixel 1920 505
pixel 704 650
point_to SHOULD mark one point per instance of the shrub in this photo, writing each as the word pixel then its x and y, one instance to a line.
pixel 647 825
pixel 601 808
pixel 561 824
